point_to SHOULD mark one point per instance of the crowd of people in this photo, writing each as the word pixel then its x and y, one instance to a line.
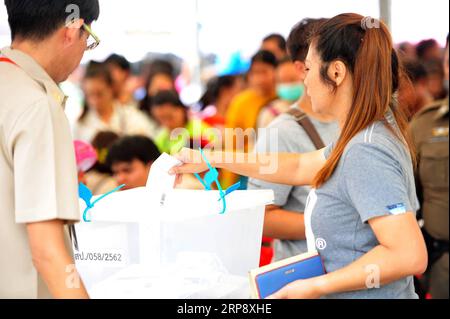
pixel 283 93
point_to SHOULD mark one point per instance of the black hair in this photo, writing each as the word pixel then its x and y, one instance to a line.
pixel 415 70
pixel 265 57
pixel 161 66
pixel 102 143
pixel 157 67
pixel 434 67
pixel 214 87
pixel 280 40
pixel 423 46
pixel 298 40
pixel 172 98
pixel 119 61
pixel 131 148
pixel 95 70
pixel 167 97
pixel 38 19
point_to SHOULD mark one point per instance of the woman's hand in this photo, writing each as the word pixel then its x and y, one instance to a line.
pixel 301 289
pixel 193 162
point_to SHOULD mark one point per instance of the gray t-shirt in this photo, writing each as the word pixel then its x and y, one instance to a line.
pixel 290 138
pixel 374 178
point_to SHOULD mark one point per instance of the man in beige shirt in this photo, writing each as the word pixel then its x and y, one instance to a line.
pixel 38 193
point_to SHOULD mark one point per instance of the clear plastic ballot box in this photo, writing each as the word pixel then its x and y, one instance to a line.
pixel 161 237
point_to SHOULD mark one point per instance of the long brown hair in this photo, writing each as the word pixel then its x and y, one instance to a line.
pixel 366 48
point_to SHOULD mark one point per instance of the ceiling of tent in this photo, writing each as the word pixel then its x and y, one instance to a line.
pixel 223 27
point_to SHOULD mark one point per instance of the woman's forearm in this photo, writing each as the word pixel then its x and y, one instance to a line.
pixel 279 168
pixel 271 168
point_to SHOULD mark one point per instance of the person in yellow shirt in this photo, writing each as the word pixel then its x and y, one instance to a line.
pixel 246 107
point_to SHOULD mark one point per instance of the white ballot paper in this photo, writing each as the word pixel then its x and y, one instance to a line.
pixel 159 178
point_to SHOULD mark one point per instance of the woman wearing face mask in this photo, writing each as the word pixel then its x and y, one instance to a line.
pixel 360 214
pixel 290 89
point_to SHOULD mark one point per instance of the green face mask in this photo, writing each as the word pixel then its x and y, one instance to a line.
pixel 290 92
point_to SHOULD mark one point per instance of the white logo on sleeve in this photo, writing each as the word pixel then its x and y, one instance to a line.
pixel 310 204
pixel 321 244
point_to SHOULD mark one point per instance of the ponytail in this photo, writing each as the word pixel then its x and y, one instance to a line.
pixel 374 65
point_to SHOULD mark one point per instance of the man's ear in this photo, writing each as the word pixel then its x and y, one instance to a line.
pixel 301 69
pixel 337 72
pixel 72 32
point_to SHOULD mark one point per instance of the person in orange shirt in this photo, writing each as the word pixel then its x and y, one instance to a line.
pixel 244 110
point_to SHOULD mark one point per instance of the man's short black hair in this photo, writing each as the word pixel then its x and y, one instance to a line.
pixel 279 39
pixel 130 148
pixel 119 61
pixel 265 57
pixel 298 40
pixel 38 19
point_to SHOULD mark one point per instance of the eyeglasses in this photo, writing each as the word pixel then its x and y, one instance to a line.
pixel 93 40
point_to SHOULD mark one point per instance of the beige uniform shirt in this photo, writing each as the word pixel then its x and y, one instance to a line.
pixel 38 179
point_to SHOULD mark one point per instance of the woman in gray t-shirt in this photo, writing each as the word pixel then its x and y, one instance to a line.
pixel 360 214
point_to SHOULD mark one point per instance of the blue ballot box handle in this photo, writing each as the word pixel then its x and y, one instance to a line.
pixel 86 195
pixel 212 177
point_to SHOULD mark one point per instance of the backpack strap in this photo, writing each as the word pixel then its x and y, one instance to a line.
pixel 304 121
